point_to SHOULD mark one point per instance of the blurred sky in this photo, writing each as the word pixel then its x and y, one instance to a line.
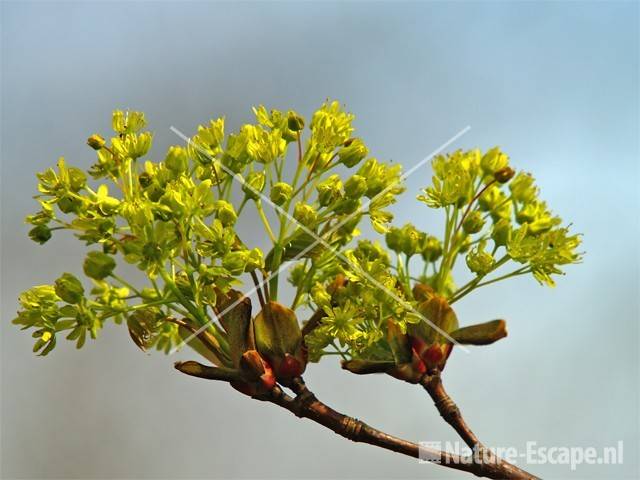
pixel 554 84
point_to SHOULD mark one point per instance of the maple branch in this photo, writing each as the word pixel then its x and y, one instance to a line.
pixel 452 415
pixel 306 405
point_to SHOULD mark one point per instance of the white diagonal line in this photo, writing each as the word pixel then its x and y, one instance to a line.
pixel 231 306
pixel 319 239
pixel 396 182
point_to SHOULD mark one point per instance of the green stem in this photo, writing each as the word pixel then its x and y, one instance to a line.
pixel 475 283
pixel 191 308
pixel 125 283
pixel 273 281
pixel 242 204
pixel 338 351
pixel 265 221
pixel 196 313
pixel 407 276
pixel 304 287
pixel 449 250
pixel 475 197
pixel 520 271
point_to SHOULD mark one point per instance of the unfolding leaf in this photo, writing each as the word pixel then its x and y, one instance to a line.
pixel 196 369
pixel 198 345
pixel 277 331
pixel 481 334
pixel 399 342
pixel 438 312
pixel 234 312
pixel 363 367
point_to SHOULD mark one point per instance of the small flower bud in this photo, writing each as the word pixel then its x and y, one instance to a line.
pixel 298 275
pixel 347 206
pixel 393 238
pixel 226 213
pixel 479 261
pixel 254 260
pixel 409 240
pixel 109 247
pixel 40 234
pixel 473 223
pixel 69 288
pixel 431 248
pixel 68 204
pixel 96 142
pixel 235 262
pixel 98 265
pixel 353 152
pixel 329 190
pixel 294 121
pixel 355 187
pixel 280 193
pixel 176 159
pixel 145 179
pixel 504 174
pixel 253 185
pixel 305 214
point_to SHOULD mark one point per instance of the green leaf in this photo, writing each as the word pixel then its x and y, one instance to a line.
pixel 364 367
pixel 481 334
pixel 277 331
pixel 98 265
pixel 399 343
pixel 202 371
pixel 437 310
pixel 236 320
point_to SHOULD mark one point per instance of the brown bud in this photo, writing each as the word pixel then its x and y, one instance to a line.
pixel 257 370
pixel 96 142
pixel 504 174
pixel 289 367
pixel 295 122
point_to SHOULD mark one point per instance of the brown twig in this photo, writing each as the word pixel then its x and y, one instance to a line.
pixel 306 405
pixel 452 415
pixel 449 410
pixel 466 212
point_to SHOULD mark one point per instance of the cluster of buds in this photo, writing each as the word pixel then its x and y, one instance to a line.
pixel 425 346
pixel 411 241
pixel 254 354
